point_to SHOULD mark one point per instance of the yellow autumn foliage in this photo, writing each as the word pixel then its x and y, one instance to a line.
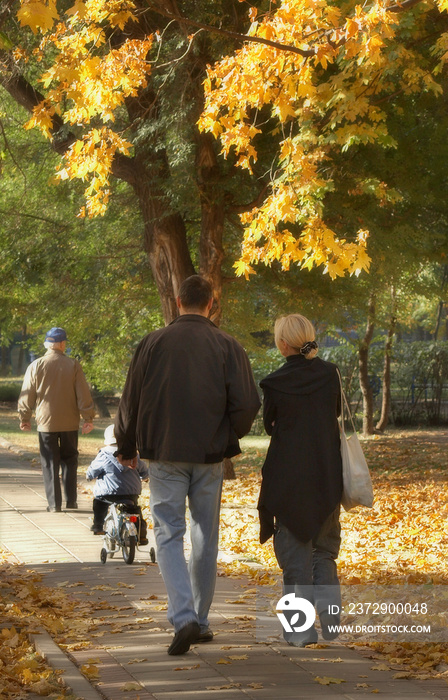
pixel 319 81
pixel 317 109
pixel 86 83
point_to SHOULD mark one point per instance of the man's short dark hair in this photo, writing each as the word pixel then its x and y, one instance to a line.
pixel 195 292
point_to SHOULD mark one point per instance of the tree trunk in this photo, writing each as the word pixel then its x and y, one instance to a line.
pixel 386 399
pixel 228 469
pixel 5 366
pixel 211 252
pixel 165 241
pixel 441 306
pixel 21 358
pixel 363 354
pixel 100 403
pixel 165 236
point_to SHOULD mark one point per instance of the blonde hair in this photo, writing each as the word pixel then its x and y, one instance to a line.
pixel 297 331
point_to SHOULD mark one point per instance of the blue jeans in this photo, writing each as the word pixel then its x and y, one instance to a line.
pixel 309 568
pixel 190 588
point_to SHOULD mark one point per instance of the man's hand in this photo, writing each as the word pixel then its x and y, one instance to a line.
pixel 24 425
pixel 132 463
pixel 87 428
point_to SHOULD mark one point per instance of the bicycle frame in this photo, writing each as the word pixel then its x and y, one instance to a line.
pixel 121 532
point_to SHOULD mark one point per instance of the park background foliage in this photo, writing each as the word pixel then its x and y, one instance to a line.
pixel 331 118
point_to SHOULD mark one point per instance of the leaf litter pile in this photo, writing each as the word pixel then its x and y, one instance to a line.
pixel 25 607
pixel 402 540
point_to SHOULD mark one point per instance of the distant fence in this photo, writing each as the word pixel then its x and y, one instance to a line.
pixel 419 387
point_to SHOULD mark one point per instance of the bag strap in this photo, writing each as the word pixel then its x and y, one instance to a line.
pixel 344 402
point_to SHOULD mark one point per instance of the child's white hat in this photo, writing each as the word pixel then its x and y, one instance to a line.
pixel 109 437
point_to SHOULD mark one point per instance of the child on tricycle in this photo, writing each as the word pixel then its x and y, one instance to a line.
pixel 115 483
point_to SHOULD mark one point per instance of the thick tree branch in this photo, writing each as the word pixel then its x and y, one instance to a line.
pixel 403 6
pixel 242 208
pixel 306 53
pixel 59 224
pixel 28 97
pixel 20 90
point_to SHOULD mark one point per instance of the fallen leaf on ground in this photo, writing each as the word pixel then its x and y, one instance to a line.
pixel 90 671
pixel 131 686
pixel 328 680
pixel 235 657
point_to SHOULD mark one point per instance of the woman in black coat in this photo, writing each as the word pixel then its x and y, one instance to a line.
pixel 302 476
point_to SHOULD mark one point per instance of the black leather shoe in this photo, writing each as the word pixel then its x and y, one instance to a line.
pixel 143 540
pixel 205 636
pixel 53 510
pixel 184 639
pixel 72 506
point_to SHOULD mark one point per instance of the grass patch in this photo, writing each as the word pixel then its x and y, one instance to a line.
pixel 88 444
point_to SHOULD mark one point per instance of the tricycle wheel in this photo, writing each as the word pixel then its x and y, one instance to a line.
pixel 129 544
pixel 103 555
pixel 152 554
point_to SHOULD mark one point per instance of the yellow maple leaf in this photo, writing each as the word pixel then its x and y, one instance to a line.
pixel 243 268
pixel 131 686
pixel 38 14
pixel 238 657
pixel 79 9
pixel 90 671
pixel 328 680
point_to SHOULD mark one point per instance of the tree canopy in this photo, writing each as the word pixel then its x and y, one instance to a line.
pixel 331 85
pixel 316 77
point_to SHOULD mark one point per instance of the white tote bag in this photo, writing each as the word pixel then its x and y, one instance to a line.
pixel 357 484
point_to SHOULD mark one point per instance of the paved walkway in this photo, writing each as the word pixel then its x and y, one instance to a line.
pixel 130 635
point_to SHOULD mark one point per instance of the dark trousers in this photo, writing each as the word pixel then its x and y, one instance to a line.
pixel 100 508
pixel 59 453
pixel 309 568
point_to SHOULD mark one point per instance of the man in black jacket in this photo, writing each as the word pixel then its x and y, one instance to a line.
pixel 189 396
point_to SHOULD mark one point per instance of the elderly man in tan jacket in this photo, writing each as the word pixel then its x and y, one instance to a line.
pixel 55 386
